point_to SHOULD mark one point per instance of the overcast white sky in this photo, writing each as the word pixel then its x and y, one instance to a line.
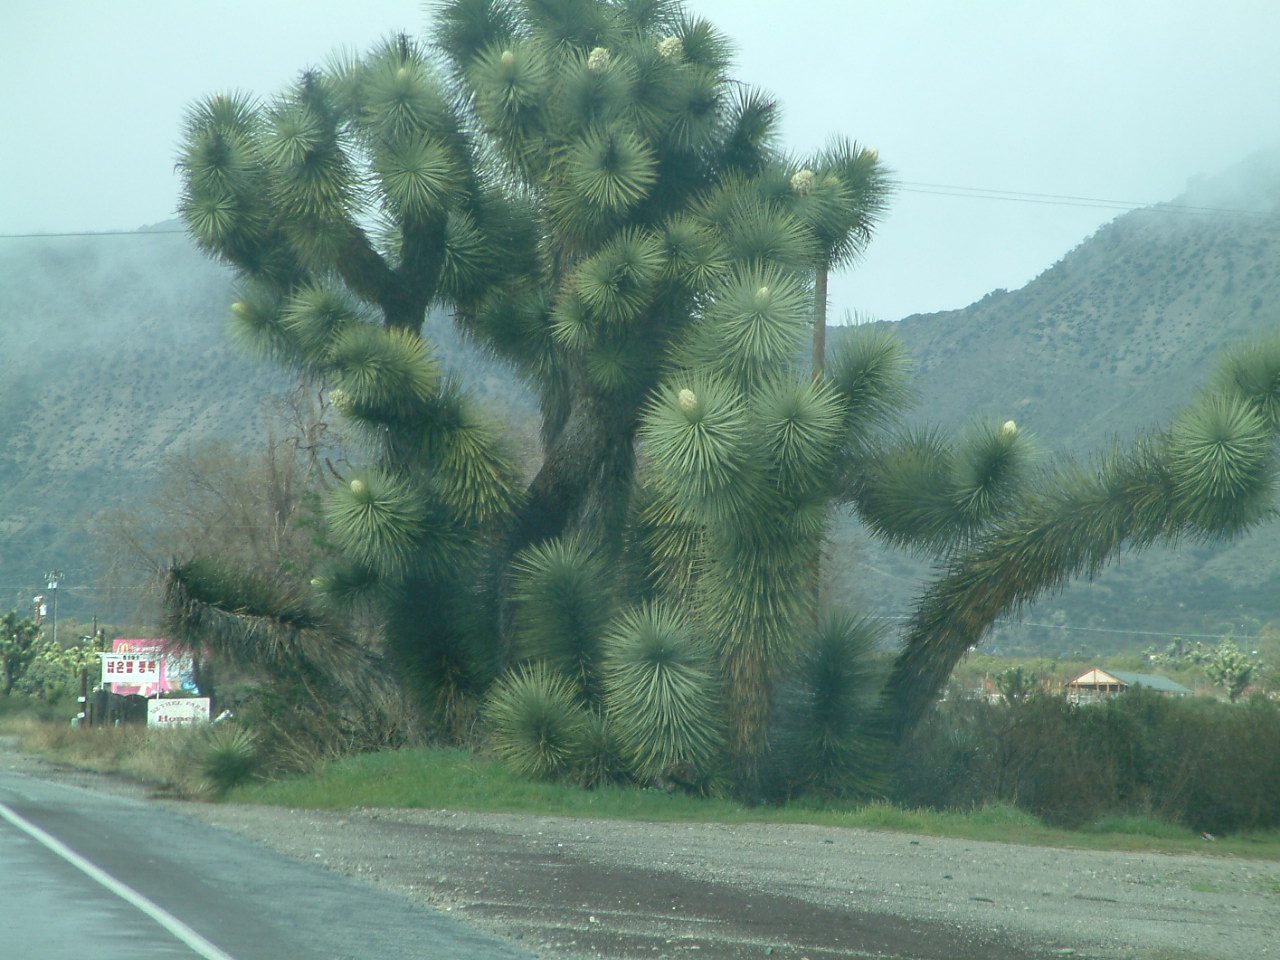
pixel 1113 99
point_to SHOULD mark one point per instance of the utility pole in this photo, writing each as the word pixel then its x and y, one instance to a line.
pixel 52 578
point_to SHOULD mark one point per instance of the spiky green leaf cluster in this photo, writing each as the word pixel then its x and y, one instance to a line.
pixel 1222 463
pixel 387 374
pixel 849 192
pixel 1251 370
pixel 379 520
pixel 661 692
pixel 314 318
pixel 932 493
pixel 869 370
pixel 563 606
pixel 829 748
pixel 535 722
pixel 697 437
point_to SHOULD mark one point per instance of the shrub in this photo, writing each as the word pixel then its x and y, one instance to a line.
pixel 225 756
pixel 1197 762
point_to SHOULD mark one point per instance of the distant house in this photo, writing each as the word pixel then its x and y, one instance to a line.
pixel 1097 683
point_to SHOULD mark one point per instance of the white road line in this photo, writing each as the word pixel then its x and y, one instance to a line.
pixel 167 920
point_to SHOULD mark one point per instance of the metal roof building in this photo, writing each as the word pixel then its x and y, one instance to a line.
pixel 1098 683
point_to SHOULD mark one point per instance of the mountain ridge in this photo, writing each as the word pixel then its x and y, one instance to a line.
pixel 117 358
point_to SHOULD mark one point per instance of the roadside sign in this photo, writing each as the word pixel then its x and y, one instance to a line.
pixel 170 713
pixel 130 668
pixel 176 670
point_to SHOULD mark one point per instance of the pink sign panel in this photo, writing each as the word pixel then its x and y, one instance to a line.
pixel 175 670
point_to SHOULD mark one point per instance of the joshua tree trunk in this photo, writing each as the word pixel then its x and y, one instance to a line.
pixel 820 320
pixel 585 478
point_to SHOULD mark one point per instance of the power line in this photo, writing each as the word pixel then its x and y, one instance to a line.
pixel 1114 630
pixel 88 233
pixel 1067 200
pixel 907 186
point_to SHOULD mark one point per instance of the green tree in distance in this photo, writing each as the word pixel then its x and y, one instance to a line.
pixel 19 646
pixel 1229 669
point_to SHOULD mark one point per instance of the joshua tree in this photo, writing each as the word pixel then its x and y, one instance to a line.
pixel 19 647
pixel 583 187
pixel 580 183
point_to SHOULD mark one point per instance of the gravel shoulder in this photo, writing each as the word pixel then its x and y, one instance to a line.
pixel 578 888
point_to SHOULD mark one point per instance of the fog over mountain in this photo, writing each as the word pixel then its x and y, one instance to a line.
pixel 115 357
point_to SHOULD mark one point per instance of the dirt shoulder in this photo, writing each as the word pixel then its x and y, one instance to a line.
pixel 576 888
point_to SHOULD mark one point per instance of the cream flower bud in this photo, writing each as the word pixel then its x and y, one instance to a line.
pixel 508 58
pixel 359 489
pixel 240 309
pixel 341 401
pixel 871 154
pixel 802 181
pixel 316 583
pixel 688 400
pixel 598 60
pixel 762 294
pixel 1008 428
pixel 671 49
pixel 402 74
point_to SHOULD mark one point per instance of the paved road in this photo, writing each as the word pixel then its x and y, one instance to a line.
pixel 83 873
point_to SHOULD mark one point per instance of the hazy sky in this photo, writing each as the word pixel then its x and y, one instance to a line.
pixel 1112 99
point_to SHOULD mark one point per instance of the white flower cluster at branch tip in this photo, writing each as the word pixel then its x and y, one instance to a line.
pixel 871 154
pixel 688 400
pixel 671 49
pixel 341 401
pixel 359 489
pixel 802 181
pixel 508 58
pixel 598 60
pixel 1008 428
pixel 240 309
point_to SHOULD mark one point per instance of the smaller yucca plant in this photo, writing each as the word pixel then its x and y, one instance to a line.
pixel 224 758
pixel 824 745
pixel 563 604
pixel 661 693
pixel 535 723
pixel 602 759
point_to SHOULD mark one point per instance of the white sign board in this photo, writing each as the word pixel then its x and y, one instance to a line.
pixel 130 668
pixel 176 712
